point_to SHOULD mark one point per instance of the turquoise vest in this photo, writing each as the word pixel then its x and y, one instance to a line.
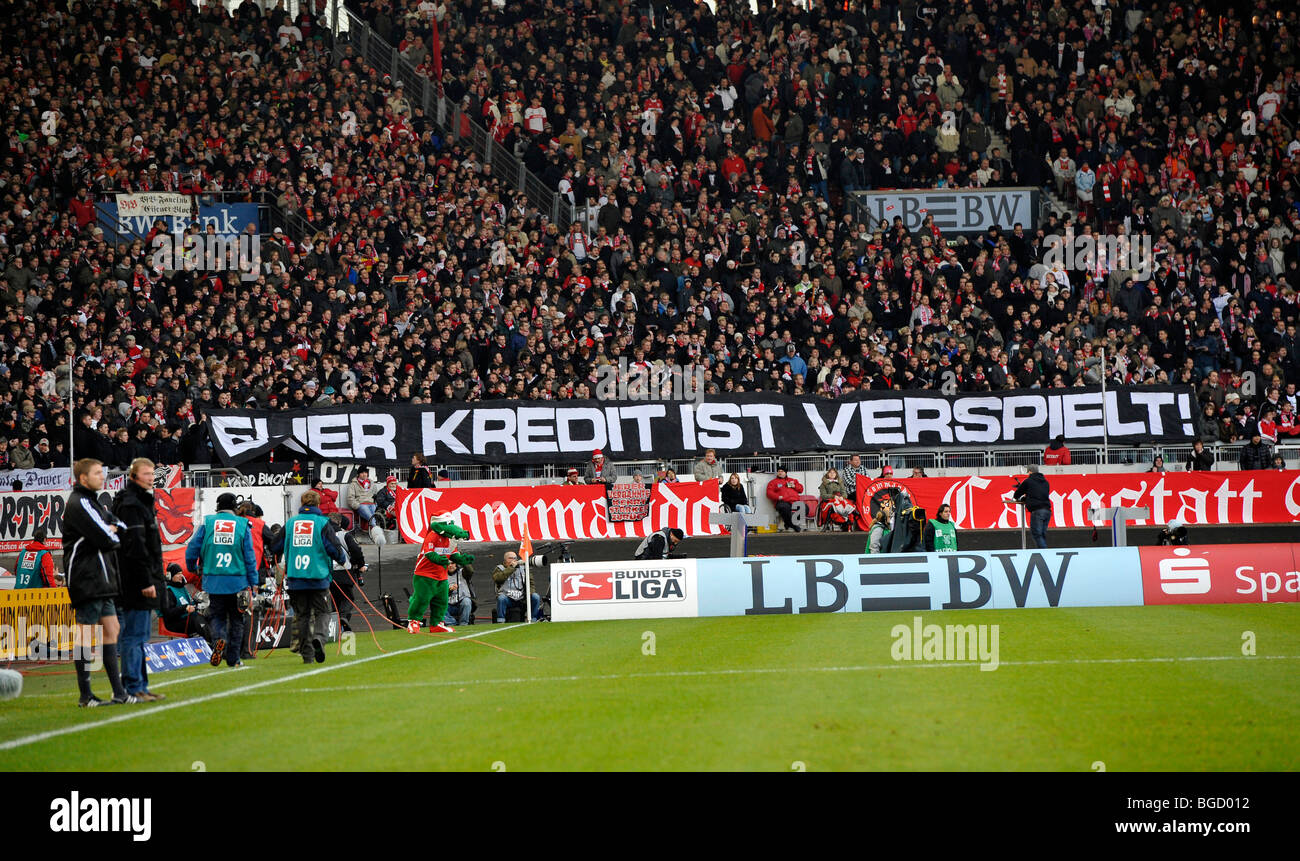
pixel 305 557
pixel 223 544
pixel 945 536
pixel 29 569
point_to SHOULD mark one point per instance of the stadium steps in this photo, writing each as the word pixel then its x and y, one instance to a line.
pixel 1052 201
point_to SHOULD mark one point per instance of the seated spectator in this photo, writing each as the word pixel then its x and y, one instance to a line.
pixel 733 495
pixel 709 467
pixel 1056 454
pixel 784 492
pixel 361 497
pixel 1278 463
pixel 834 508
pixel 572 477
pixel 386 503
pixel 329 503
pixel 919 472
pixel 509 579
pixel 669 477
pixel 1158 464
pixel 180 614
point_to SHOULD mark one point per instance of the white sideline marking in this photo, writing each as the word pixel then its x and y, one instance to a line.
pixel 776 670
pixel 146 710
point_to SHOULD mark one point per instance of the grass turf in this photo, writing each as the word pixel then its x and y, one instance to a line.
pixel 821 692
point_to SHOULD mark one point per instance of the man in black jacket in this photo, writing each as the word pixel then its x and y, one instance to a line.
pixel 1255 455
pixel 1035 492
pixel 140 564
pixel 346 577
pixel 1199 460
pixel 90 542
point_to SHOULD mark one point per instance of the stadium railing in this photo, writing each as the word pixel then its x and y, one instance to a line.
pixel 1087 458
pixel 451 121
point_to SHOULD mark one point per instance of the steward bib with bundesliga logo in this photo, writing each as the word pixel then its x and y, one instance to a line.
pixel 305 556
pixel 28 575
pixel 222 546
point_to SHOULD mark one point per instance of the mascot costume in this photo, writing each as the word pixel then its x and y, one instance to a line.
pixel 430 581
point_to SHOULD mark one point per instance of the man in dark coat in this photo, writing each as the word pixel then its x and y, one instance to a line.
pixel 1035 493
pixel 90 542
pixel 1255 455
pixel 140 566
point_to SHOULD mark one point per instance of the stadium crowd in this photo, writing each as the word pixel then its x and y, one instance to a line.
pixel 716 154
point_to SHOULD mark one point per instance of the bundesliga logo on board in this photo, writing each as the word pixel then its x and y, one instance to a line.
pixel 635 584
pixel 302 532
pixel 224 532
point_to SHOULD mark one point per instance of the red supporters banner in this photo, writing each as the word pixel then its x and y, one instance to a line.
pixel 555 512
pixel 1196 498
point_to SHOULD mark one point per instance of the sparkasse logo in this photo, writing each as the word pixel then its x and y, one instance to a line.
pixel 133 816
pixel 1184 576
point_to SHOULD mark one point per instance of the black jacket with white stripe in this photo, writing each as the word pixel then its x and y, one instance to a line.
pixel 89 548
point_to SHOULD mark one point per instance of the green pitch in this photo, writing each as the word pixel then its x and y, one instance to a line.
pixel 1132 688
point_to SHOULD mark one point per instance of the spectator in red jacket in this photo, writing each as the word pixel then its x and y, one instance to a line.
pixel 329 503
pixel 783 491
pixel 1056 454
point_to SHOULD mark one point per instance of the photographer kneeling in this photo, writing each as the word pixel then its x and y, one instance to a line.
pixel 509 577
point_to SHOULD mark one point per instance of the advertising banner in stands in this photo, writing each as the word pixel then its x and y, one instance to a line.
pixel 1196 498
pixel 22 513
pixel 154 204
pixel 556 512
pixel 227 219
pixel 528 432
pixel 37 479
pixel 954 211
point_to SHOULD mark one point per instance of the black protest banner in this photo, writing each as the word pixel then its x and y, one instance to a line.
pixel 527 432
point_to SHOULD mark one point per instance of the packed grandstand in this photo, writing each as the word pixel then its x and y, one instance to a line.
pixel 713 158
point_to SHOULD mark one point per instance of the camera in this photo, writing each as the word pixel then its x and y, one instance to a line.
pixel 556 551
